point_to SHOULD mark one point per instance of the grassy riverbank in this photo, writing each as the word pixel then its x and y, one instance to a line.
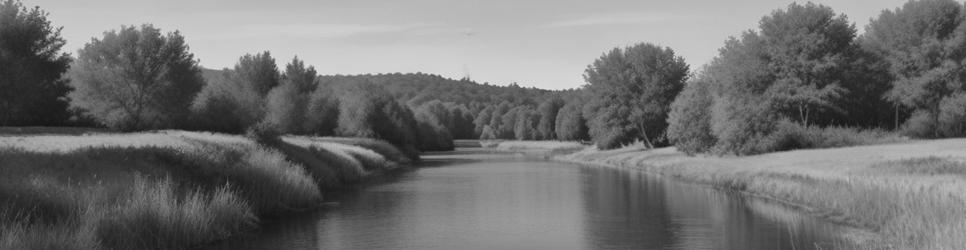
pixel 167 189
pixel 910 194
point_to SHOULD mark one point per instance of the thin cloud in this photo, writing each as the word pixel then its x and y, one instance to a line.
pixel 321 31
pixel 614 18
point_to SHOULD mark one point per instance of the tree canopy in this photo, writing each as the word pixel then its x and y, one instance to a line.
pixel 135 78
pixel 33 89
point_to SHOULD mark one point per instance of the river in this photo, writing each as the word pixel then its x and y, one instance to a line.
pixel 471 199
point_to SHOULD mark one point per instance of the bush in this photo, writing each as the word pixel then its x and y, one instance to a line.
pixel 236 101
pixel 919 125
pixel 610 130
pixel 741 125
pixel 789 135
pixel 689 123
pixel 488 133
pixel 952 116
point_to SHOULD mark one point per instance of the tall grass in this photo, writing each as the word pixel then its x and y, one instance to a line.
pixel 910 194
pixel 162 190
pixel 156 215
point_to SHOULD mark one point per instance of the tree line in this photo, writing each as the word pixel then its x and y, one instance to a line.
pixel 803 67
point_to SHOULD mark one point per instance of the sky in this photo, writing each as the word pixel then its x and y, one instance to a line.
pixel 545 44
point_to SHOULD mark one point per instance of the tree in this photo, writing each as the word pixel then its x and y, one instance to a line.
pixel 689 123
pixel 136 78
pixel 548 111
pixel 742 117
pixel 925 44
pixel 482 119
pixel 634 87
pixel 322 112
pixel 32 68
pixel 433 135
pixel 570 124
pixel 237 100
pixel 286 104
pixel 807 48
pixel 366 110
pixel 525 125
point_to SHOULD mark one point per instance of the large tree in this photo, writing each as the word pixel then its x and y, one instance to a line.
pixel 807 48
pixel 33 89
pixel 633 88
pixel 925 44
pixel 136 78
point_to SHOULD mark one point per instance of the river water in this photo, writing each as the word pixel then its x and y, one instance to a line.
pixel 471 199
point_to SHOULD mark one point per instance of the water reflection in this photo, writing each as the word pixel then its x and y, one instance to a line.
pixel 524 204
pixel 632 210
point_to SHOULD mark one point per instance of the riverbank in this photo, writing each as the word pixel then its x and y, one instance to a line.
pixel 167 189
pixel 909 194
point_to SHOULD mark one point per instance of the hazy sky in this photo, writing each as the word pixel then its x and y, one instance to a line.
pixel 546 44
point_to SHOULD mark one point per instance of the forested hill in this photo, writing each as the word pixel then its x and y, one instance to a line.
pixel 416 89
pixel 419 88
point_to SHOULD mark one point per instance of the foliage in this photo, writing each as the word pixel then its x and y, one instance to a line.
pixel 136 78
pixel 807 48
pixel 365 110
pixel 952 116
pixel 789 135
pixel 32 68
pixel 525 124
pixel 634 87
pixel 236 100
pixel 322 113
pixel 433 135
pixel 548 110
pixel 570 124
pixel 924 43
pixel 488 133
pixel 286 104
pixel 689 122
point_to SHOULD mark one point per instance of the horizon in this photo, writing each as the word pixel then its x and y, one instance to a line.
pixel 533 44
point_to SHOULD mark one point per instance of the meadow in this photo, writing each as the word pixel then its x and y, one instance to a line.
pixel 908 195
pixel 166 189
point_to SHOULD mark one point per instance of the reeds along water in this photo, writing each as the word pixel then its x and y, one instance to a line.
pixel 193 189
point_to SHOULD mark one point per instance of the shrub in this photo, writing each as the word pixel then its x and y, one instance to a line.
pixel 919 125
pixel 689 123
pixel 488 133
pixel 741 125
pixel 236 101
pixel 952 115
pixel 610 130
pixel 789 135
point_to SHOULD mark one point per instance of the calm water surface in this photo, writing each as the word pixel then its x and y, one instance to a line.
pixel 472 200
